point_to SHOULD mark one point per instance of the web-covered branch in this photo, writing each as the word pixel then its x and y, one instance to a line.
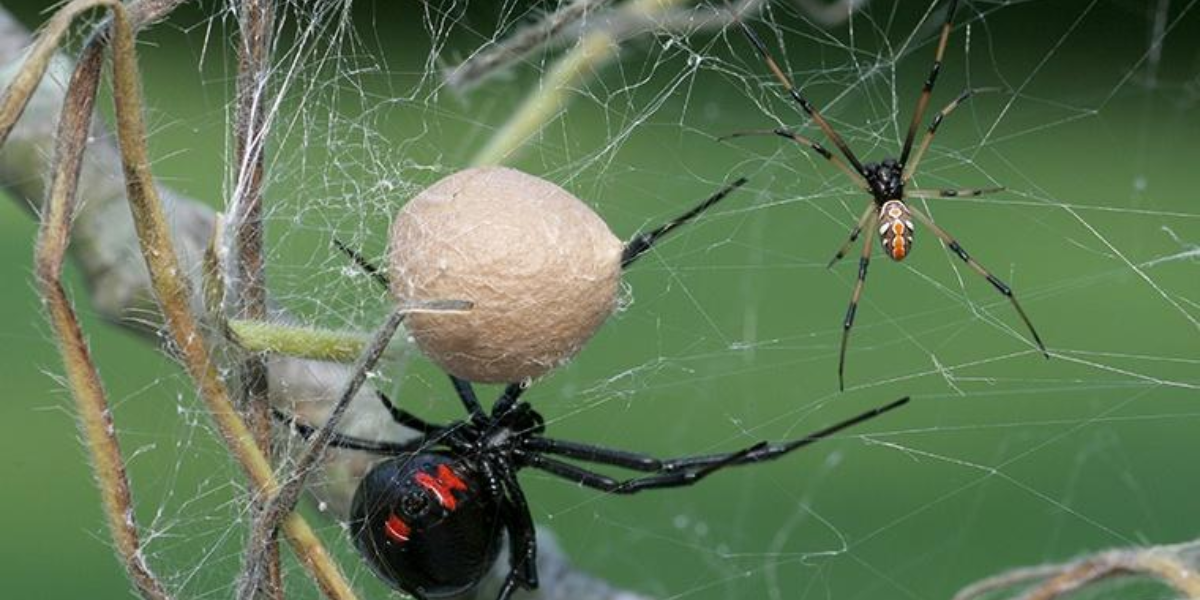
pixel 105 248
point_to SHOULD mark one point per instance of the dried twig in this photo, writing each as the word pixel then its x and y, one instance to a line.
pixel 573 21
pixel 247 277
pixel 1177 566
pixel 22 86
pixel 686 20
pixel 494 59
pixel 284 501
pixel 262 532
pixel 90 399
pixel 174 298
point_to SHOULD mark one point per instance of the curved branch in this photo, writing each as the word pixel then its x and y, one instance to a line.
pixel 581 17
pixel 91 401
pixel 493 59
pixel 1176 566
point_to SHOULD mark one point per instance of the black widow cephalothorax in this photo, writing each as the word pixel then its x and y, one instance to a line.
pixel 885 182
pixel 428 519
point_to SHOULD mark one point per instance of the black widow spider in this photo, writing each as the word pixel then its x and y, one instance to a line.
pixel 428 519
pixel 885 182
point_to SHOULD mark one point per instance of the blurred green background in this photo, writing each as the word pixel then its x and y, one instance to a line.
pixel 732 331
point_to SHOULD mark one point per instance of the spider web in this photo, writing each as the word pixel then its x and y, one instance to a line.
pixel 729 331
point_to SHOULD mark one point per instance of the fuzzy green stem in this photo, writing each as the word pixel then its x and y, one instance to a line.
pixel 300 341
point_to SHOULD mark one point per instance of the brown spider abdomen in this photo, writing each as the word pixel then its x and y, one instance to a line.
pixel 541 268
pixel 895 229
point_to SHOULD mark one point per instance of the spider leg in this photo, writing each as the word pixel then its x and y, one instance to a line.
pixel 927 90
pixel 508 399
pixel 910 168
pixel 863 262
pixel 407 419
pixel 466 394
pixel 1000 286
pixel 684 471
pixel 436 306
pixel 367 266
pixel 518 524
pixel 509 587
pixel 338 440
pixel 871 208
pixel 594 454
pixel 948 193
pixel 798 96
pixel 642 242
pixel 522 534
pixel 765 451
pixel 803 141
pixel 608 484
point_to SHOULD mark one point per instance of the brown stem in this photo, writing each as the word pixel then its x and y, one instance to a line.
pixel 284 501
pixel 1006 580
pixel 506 52
pixel 570 23
pixel 90 399
pixel 1173 565
pixel 171 290
pixel 247 277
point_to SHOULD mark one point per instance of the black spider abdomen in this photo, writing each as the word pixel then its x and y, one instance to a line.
pixel 425 525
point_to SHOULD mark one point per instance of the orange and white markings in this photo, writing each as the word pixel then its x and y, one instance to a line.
pixel 895 229
pixel 442 484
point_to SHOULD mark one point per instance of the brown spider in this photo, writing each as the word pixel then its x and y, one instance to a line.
pixel 887 213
